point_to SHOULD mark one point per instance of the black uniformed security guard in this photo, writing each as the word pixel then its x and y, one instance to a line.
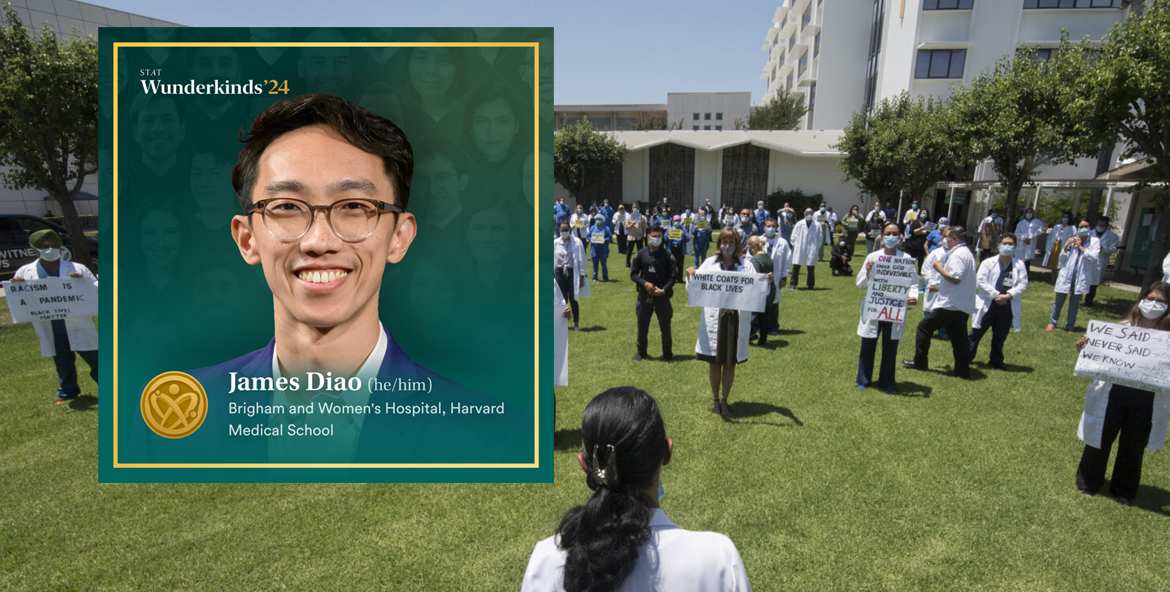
pixel 653 276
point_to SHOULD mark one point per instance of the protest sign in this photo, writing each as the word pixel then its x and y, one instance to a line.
pixel 888 296
pixel 579 223
pixel 1138 358
pixel 675 234
pixel 50 299
pixel 728 289
pixel 597 238
pixel 702 223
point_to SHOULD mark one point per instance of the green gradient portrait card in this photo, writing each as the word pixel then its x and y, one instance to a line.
pixel 324 256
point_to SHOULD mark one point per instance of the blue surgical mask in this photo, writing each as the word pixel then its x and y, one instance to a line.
pixel 661 491
pixel 1083 231
pixel 1101 229
pixel 1028 215
pixel 1064 220
pixel 1007 250
pixel 890 241
pixel 655 241
pixel 770 231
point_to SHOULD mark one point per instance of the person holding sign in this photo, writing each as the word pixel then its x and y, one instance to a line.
pixel 580 223
pixel 653 275
pixel 781 254
pixel 569 268
pixel 1138 416
pixel 599 236
pixel 874 221
pixel 954 305
pixel 852 224
pixel 618 224
pixel 1078 265
pixel 606 212
pixel 723 333
pixel 702 234
pixel 870 327
pixel 1000 286
pixel 1028 232
pixel 761 214
pixel 806 240
pixel 60 338
pixel 678 238
pixel 989 230
pixel 636 226
pixel 1057 236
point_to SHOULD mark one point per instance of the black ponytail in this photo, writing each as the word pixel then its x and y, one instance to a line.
pixel 624 442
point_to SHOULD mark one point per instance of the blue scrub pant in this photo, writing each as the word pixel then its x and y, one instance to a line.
pixel 889 357
pixel 1073 304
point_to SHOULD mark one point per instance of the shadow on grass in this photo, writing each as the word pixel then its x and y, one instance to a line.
pixel 790 332
pixel 773 343
pixel 1103 309
pixel 745 409
pixel 1011 368
pixel 591 329
pixel 908 389
pixel 84 403
pixel 567 439
pixel 1153 499
pixel 676 358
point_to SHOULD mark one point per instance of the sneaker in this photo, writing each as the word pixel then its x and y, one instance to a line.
pixel 63 400
pixel 891 391
pixel 1050 327
pixel 1124 501
pixel 638 357
pixel 910 365
pixel 792 287
pixel 861 387
pixel 1070 330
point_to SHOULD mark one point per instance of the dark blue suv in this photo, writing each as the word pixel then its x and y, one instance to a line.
pixel 14 248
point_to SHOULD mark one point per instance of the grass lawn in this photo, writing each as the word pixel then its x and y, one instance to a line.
pixel 946 485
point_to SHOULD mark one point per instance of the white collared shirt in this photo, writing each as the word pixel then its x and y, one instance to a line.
pixel 346 427
pixel 673 559
pixel 960 264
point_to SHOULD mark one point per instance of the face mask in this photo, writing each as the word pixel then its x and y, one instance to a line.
pixel 676 224
pixel 635 210
pixel 890 241
pixel 822 209
pixel 914 207
pixel 1101 229
pixel 564 234
pixel 1152 309
pixel 992 216
pixel 770 231
pixel 808 217
pixel 923 217
pixel 842 245
pixel 1028 216
pixel 727 250
pixel 743 218
pixel 788 215
pixel 1007 250
pixel 580 211
pixel 661 491
pixel 1083 231
pixel 655 241
pixel 50 254
pixel 1064 220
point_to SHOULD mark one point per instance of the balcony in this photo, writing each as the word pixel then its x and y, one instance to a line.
pixel 778 16
pixel 812 27
pixel 771 35
pixel 796 51
pixel 786 31
pixel 777 52
pixel 798 6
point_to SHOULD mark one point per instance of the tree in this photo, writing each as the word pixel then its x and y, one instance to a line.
pixel 781 113
pixel 656 120
pixel 49 117
pixel 1016 115
pixel 583 158
pixel 904 144
pixel 1124 91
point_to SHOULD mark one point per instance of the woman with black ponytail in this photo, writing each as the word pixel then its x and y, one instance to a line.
pixel 620 540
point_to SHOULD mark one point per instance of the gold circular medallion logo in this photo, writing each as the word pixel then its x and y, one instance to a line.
pixel 174 405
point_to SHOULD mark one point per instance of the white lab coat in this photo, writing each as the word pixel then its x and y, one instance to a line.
pixel 579 260
pixel 870 328
pixel 932 277
pixel 709 321
pixel 582 232
pixel 1057 235
pixel 619 222
pixel 781 261
pixel 673 559
pixel 1166 268
pixel 82 333
pixel 1082 265
pixel 1093 418
pixel 985 291
pixel 806 239
pixel 1109 243
pixel 1027 230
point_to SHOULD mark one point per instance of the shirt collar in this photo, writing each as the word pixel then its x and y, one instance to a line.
pixel 368 370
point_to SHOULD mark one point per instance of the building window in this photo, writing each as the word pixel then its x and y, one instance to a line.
pixel 817 46
pixel 940 63
pixel 1041 53
pixel 1072 3
pixel 812 103
pixel 718 128
pixel 706 127
pixel 875 45
pixel 696 116
pixel 707 116
pixel 695 128
pixel 719 117
pixel 947 5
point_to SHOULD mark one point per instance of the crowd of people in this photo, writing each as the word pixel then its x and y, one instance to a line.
pixel 621 539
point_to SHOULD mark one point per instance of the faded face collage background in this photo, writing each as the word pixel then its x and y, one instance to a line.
pixel 461 300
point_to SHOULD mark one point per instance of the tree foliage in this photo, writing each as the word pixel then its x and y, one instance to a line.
pixel 1122 89
pixel 656 120
pixel 49 116
pixel 781 113
pixel 904 144
pixel 1016 115
pixel 583 158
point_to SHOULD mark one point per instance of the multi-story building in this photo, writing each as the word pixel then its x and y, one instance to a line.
pixel 693 111
pixel 855 57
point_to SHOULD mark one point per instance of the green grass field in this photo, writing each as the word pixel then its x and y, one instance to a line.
pixel 948 485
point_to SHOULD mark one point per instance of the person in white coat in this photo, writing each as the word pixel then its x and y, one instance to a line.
pixel 1078 263
pixel 1027 235
pixel 61 339
pixel 723 333
pixel 1109 242
pixel 1057 236
pixel 806 241
pixel 1138 416
pixel 580 222
pixel 781 254
pixel 620 539
pixel 1166 268
pixel 890 332
pixel 1000 285
pixel 569 268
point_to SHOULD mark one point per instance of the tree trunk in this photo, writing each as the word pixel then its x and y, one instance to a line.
pixel 1104 158
pixel 77 241
pixel 1161 240
pixel 1012 188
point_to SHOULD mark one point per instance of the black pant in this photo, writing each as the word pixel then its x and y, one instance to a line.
pixel 812 275
pixel 565 278
pixel 999 319
pixel 955 322
pixel 762 321
pixel 680 263
pixel 632 247
pixel 621 241
pixel 647 306
pixel 889 357
pixel 1133 418
pixel 1089 297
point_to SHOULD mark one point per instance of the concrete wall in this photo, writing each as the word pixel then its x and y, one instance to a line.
pixel 841 65
pixel 732 105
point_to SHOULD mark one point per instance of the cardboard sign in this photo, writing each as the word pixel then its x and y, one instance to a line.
pixel 888 296
pixel 50 299
pixel 1137 358
pixel 579 223
pixel 702 223
pixel 739 290
pixel 675 234
pixel 688 220
pixel 597 238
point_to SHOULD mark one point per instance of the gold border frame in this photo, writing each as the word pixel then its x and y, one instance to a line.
pixel 536 260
